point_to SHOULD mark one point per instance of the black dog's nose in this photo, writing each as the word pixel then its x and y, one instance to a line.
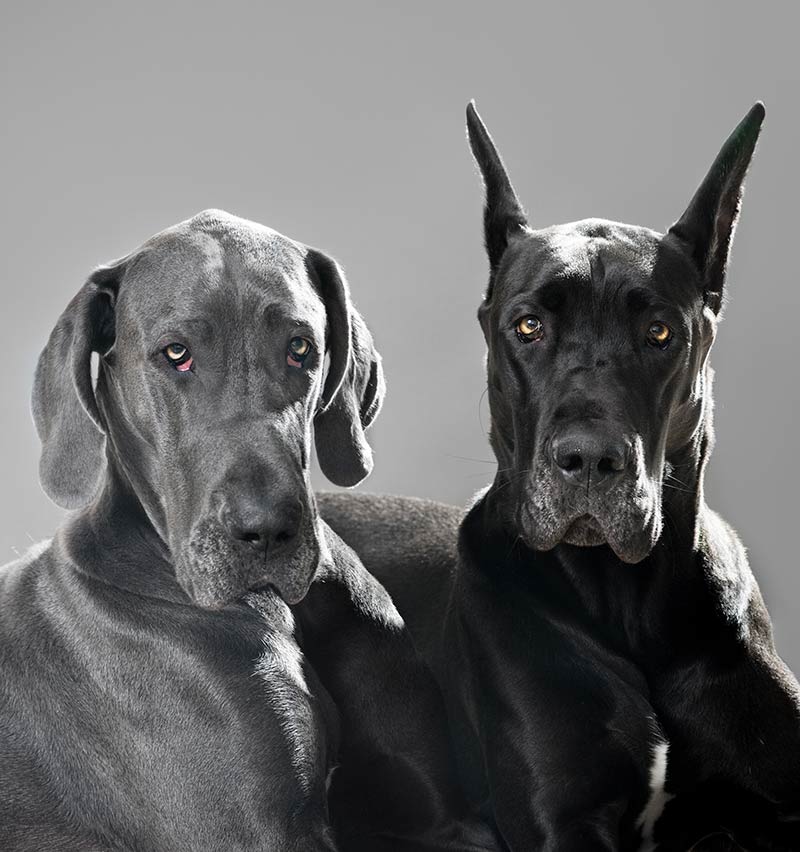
pixel 584 458
pixel 263 523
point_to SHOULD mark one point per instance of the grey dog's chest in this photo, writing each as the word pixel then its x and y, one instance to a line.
pixel 155 721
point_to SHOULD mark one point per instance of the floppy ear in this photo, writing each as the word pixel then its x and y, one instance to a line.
pixel 63 404
pixel 503 216
pixel 707 226
pixel 354 387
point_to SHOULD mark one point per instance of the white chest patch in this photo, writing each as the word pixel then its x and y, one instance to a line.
pixel 658 796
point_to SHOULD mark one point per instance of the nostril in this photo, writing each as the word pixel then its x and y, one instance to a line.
pixel 571 462
pixel 251 537
pixel 283 536
pixel 610 464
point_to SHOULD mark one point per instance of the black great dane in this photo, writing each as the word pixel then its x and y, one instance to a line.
pixel 605 651
pixel 185 663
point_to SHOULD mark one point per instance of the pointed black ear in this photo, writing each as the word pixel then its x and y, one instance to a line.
pixel 63 404
pixel 354 387
pixel 503 216
pixel 708 225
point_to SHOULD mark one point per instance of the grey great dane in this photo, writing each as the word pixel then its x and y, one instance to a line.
pixel 187 661
pixel 605 651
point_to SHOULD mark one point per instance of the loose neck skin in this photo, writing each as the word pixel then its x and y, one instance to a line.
pixel 114 541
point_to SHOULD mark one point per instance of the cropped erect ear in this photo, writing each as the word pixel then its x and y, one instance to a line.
pixel 354 387
pixel 708 225
pixel 64 408
pixel 503 216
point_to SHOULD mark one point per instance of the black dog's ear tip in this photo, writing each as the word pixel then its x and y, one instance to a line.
pixel 474 122
pixel 753 120
pixel 756 114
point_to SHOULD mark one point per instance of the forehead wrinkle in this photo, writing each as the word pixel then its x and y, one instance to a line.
pixel 259 249
pixel 572 254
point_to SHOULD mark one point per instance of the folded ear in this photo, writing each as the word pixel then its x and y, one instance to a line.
pixel 354 387
pixel 503 216
pixel 63 404
pixel 708 225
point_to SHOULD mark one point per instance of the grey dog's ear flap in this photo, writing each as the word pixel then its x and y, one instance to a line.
pixel 708 225
pixel 503 216
pixel 354 387
pixel 63 404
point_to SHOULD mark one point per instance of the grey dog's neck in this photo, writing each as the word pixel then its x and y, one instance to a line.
pixel 113 541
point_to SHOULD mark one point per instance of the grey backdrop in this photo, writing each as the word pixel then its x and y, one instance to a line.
pixel 341 124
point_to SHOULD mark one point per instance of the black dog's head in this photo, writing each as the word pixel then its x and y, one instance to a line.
pixel 212 341
pixel 598 337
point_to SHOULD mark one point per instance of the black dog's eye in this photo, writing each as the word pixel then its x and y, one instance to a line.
pixel 659 335
pixel 178 355
pixel 298 351
pixel 530 328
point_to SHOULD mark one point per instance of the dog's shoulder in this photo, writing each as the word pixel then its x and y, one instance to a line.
pixel 36 555
pixel 724 562
pixel 727 574
pixel 22 582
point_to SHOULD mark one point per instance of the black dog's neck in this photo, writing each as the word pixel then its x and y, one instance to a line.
pixel 653 611
pixel 114 541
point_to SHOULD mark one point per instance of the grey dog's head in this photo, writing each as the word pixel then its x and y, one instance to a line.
pixel 223 346
pixel 598 335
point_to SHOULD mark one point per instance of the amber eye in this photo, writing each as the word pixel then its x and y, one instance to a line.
pixel 659 335
pixel 178 355
pixel 297 352
pixel 530 328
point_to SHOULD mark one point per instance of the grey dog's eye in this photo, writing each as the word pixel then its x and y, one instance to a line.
pixel 297 352
pixel 659 335
pixel 178 355
pixel 529 328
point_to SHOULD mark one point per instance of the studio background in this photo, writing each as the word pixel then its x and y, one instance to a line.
pixel 342 125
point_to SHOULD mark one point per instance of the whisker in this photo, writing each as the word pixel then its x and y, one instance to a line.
pixel 480 419
pixel 514 543
pixel 675 488
pixel 468 458
pixel 675 479
pixel 512 479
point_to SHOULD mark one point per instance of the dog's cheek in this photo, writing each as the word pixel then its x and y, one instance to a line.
pixel 633 531
pixel 292 575
pixel 541 511
pixel 208 570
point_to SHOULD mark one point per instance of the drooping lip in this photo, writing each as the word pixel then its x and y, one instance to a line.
pixel 585 530
pixel 586 523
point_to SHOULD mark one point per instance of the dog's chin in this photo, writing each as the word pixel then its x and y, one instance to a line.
pixel 214 573
pixel 587 531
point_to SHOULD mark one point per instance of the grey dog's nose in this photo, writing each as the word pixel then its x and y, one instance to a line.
pixel 584 458
pixel 262 523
